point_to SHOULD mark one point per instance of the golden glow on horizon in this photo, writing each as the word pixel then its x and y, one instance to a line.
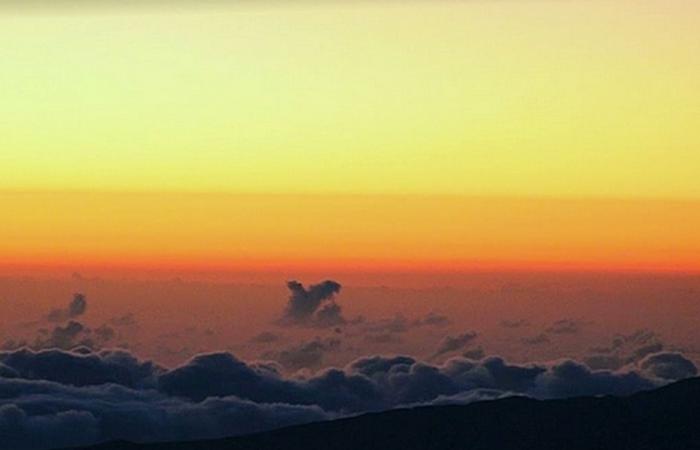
pixel 263 232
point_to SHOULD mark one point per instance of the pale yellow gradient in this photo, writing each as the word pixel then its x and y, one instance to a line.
pixel 510 98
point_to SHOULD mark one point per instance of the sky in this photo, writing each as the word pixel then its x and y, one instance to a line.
pixel 407 202
pixel 577 116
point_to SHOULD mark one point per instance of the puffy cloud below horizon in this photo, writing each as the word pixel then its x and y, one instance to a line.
pixel 626 349
pixel 68 333
pixel 112 394
pixel 308 354
pixel 313 306
pixel 453 343
pixel 75 308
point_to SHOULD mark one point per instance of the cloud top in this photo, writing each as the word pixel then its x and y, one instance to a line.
pixel 75 308
pixel 314 305
pixel 47 392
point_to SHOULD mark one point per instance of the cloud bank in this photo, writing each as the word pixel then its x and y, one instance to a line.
pixel 53 398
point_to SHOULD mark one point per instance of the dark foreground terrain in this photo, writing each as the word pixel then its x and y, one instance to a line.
pixel 666 418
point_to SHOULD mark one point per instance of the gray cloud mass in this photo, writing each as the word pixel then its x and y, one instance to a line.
pixel 109 395
pixel 313 306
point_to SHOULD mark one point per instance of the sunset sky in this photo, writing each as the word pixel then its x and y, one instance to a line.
pixel 221 217
pixel 364 136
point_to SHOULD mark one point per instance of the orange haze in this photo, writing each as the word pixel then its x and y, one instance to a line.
pixel 207 232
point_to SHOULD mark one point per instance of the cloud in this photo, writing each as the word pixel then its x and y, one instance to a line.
pixel 539 339
pixel 66 337
pixel 81 368
pixel 625 349
pixel 12 344
pixel 127 320
pixel 382 338
pixel 565 326
pixel 474 353
pixel 330 315
pixel 559 327
pixel 68 333
pixel 520 323
pixel 306 355
pixel 112 395
pixel 41 415
pixel 314 306
pixel 668 366
pixel 75 308
pixel 220 375
pixel 454 343
pixel 396 324
pixel 603 362
pixel 570 379
pixel 21 430
pixel 266 337
pixel 382 329
pixel 432 319
pixel 104 333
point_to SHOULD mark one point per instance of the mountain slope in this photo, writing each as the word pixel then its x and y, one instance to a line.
pixel 666 418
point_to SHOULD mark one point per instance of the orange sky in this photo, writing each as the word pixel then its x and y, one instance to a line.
pixel 332 232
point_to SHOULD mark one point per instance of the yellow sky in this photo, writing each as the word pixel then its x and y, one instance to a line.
pixel 515 98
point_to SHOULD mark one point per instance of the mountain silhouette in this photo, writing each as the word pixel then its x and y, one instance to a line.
pixel 664 418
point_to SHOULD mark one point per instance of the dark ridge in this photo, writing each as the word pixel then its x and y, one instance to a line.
pixel 664 418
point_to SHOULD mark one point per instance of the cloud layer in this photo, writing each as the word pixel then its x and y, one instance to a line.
pixel 112 394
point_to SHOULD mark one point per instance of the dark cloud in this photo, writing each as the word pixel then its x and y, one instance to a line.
pixel 69 336
pixel 668 366
pixel 382 338
pixel 571 379
pixel 266 337
pixel 625 349
pixel 104 333
pixel 73 334
pixel 13 344
pixel 75 308
pixel 474 353
pixel 453 343
pixel 380 330
pixel 645 350
pixel 538 339
pixel 396 324
pixel 432 319
pixel 560 327
pixel 41 415
pixel 637 338
pixel 520 323
pixel 330 315
pixel 314 306
pixel 81 367
pixel 604 362
pixel 307 355
pixel 69 333
pixel 113 395
pixel 127 320
pixel 625 342
pixel 565 326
